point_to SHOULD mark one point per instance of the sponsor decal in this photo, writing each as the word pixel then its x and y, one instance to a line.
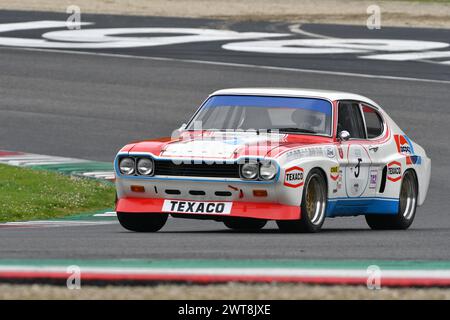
pixel 405 147
pixel 197 207
pixel 341 152
pixel 330 152
pixel 373 176
pixel 304 152
pixel 394 171
pixel 334 173
pixel 294 177
pixel 414 160
pixel 315 151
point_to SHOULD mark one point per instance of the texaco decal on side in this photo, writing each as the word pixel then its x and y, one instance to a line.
pixel 394 171
pixel 294 177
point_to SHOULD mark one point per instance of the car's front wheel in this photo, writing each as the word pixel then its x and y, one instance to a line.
pixel 406 208
pixel 313 207
pixel 142 222
pixel 244 223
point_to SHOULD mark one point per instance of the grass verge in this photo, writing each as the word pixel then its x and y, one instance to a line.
pixel 27 194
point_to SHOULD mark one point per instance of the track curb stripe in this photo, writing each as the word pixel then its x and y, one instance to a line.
pixel 213 276
pixel 335 272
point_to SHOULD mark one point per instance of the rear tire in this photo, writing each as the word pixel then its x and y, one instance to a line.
pixel 406 208
pixel 313 206
pixel 244 223
pixel 142 222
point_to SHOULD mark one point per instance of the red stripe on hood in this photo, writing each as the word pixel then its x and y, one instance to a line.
pixel 260 148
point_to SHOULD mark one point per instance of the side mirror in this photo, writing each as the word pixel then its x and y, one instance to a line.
pixel 177 132
pixel 344 135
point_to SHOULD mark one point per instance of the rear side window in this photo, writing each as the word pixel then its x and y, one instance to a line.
pixel 374 123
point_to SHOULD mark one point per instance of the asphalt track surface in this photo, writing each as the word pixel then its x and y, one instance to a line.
pixel 88 106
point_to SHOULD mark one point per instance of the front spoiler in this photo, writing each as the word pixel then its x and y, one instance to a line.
pixel 259 210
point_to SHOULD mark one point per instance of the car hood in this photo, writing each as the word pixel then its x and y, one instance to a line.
pixel 223 145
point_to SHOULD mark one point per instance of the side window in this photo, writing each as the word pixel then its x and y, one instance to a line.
pixel 374 124
pixel 350 119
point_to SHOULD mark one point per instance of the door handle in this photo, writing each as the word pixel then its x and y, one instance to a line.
pixel 373 149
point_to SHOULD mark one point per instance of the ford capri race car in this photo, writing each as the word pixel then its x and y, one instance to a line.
pixel 294 156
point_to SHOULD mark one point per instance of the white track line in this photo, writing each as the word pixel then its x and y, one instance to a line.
pixel 53 224
pixel 237 65
pixel 296 28
pixel 106 214
pixel 98 174
pixel 30 159
pixel 408 56
pixel 419 56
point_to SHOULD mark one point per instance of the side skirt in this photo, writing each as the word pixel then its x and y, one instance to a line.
pixel 361 206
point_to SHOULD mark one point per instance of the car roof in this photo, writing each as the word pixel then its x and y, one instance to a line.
pixel 296 92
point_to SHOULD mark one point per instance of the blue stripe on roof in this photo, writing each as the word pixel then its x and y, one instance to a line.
pixel 319 105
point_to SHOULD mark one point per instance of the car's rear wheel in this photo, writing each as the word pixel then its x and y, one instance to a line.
pixel 244 223
pixel 142 222
pixel 406 208
pixel 313 206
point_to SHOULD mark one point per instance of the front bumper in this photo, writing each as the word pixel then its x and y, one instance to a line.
pixel 259 210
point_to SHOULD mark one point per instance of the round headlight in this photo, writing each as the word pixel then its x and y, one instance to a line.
pixel 145 166
pixel 249 170
pixel 126 166
pixel 268 170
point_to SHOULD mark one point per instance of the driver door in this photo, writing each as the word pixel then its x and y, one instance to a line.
pixel 357 162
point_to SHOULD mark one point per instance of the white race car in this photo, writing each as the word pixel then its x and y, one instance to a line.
pixel 295 156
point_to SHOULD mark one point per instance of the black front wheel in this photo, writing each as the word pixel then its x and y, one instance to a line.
pixel 142 222
pixel 406 208
pixel 313 207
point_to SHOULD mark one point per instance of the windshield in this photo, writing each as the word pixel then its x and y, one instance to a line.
pixel 285 114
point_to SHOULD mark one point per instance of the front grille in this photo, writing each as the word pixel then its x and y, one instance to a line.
pixel 168 168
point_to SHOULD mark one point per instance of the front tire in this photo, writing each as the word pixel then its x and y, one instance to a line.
pixel 244 223
pixel 406 208
pixel 142 222
pixel 313 206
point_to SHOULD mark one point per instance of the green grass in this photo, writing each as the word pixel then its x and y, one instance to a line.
pixel 27 194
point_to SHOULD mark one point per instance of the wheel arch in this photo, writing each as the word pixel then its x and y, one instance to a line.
pixel 321 165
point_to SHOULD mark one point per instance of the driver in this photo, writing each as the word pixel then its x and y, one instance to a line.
pixel 306 119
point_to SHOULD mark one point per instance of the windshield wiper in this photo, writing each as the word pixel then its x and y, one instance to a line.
pixel 292 130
